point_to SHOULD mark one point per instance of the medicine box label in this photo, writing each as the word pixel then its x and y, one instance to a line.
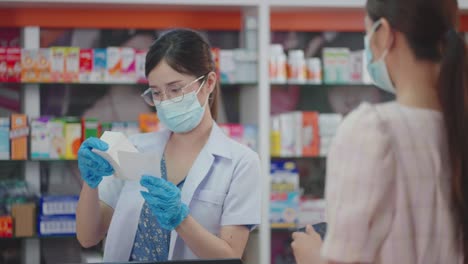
pixel 4 138
pixel 28 61
pixel 128 69
pixel 19 137
pixel 43 65
pixel 98 74
pixel 13 59
pixel 58 64
pixel 40 140
pixel 72 64
pixel 86 65
pixel 140 60
pixel 3 65
pixel 56 129
pixel 114 65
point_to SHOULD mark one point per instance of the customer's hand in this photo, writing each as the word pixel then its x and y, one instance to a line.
pixel 163 198
pixel 92 166
pixel 306 246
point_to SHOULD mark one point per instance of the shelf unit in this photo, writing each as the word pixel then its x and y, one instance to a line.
pixel 270 15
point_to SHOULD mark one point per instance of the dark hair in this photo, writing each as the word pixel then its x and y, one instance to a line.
pixel 430 29
pixel 186 51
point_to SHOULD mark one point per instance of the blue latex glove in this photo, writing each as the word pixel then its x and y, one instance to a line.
pixel 92 166
pixel 163 198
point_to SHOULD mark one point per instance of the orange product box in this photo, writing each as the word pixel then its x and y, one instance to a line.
pixel 43 65
pixel 72 65
pixel 310 134
pixel 6 226
pixel 3 65
pixel 13 61
pixel 19 132
pixel 58 64
pixel 149 122
pixel 28 61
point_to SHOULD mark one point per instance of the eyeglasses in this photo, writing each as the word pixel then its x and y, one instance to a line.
pixel 154 96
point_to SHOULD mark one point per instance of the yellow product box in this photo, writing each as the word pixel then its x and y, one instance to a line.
pixel 43 65
pixel 72 138
pixel 58 64
pixel 72 64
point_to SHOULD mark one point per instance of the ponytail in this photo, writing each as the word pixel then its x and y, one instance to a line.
pixel 453 95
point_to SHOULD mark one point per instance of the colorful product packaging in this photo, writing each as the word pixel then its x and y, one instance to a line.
pixel 58 64
pixel 98 74
pixel 13 61
pixel 72 64
pixel 4 138
pixel 149 122
pixel 58 204
pixel 86 65
pixel 128 69
pixel 114 65
pixel 140 60
pixel 314 71
pixel 72 138
pixel 56 129
pixel 90 128
pixel 6 226
pixel 43 65
pixel 275 137
pixel 310 134
pixel 3 65
pixel 284 210
pixel 57 225
pixel 40 138
pixel 28 62
pixel 19 132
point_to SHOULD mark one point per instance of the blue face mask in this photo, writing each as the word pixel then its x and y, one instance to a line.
pixel 183 115
pixel 377 69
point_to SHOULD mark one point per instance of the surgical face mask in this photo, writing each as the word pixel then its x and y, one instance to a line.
pixel 183 114
pixel 377 69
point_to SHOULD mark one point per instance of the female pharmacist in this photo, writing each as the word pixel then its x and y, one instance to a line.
pixel 397 186
pixel 207 199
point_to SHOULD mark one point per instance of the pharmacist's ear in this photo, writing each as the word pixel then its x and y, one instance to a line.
pixel 210 82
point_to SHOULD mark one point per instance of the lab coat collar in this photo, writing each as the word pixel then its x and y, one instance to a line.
pixel 217 143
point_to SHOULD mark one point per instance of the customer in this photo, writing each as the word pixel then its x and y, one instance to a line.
pixel 397 184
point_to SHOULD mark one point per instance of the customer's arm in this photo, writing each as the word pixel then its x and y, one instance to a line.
pixel 92 217
pixel 230 243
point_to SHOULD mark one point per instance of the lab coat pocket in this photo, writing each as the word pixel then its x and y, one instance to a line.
pixel 206 208
pixel 210 197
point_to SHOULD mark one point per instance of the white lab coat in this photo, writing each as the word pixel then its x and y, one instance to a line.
pixel 222 188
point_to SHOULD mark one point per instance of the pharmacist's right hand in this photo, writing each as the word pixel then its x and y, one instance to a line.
pixel 92 166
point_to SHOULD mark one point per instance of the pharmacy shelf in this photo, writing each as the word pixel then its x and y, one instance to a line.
pixel 120 84
pixel 322 85
pixel 135 3
pixel 301 4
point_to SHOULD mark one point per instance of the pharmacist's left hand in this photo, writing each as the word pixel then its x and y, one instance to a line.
pixel 306 246
pixel 163 198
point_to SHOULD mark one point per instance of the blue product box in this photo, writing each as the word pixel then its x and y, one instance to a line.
pixel 57 225
pixel 4 138
pixel 58 205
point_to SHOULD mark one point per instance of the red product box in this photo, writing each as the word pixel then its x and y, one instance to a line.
pixel 6 226
pixel 86 65
pixel 3 65
pixel 13 60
